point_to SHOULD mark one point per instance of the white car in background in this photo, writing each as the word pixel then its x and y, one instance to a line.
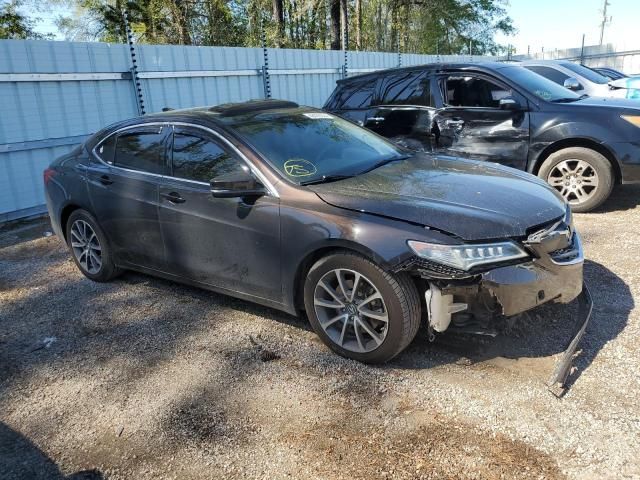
pixel 583 80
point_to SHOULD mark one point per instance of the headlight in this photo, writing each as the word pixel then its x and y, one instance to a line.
pixel 632 119
pixel 465 257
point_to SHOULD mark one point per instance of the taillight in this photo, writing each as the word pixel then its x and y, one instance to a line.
pixel 48 174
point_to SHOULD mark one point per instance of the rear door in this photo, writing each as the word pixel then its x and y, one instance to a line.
pixel 406 109
pixel 230 243
pixel 470 122
pixel 123 187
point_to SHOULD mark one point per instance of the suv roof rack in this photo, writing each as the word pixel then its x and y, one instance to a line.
pixel 231 109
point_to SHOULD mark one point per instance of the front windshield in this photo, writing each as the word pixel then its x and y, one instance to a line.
pixel 538 85
pixel 307 145
pixel 587 73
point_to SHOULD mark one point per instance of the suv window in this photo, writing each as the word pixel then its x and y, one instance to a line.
pixel 141 150
pixel 411 88
pixel 196 157
pixel 550 73
pixel 469 91
pixel 357 95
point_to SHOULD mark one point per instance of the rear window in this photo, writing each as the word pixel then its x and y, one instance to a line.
pixel 408 88
pixel 141 150
pixel 355 96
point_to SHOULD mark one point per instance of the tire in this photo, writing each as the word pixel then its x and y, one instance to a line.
pixel 561 170
pixel 399 302
pixel 82 224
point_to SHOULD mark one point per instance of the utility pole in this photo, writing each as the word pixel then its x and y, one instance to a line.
pixel 605 20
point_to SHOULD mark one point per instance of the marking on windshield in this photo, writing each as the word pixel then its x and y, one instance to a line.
pixel 297 167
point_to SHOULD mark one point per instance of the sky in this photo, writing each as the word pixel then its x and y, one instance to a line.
pixel 560 24
pixel 541 23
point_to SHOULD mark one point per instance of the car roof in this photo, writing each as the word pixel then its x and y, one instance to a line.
pixel 488 66
pixel 219 115
pixel 561 63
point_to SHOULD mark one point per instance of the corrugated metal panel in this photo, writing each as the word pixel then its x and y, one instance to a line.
pixel 38 114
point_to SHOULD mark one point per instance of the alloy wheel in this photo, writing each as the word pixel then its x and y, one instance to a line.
pixel 351 310
pixel 576 180
pixel 86 246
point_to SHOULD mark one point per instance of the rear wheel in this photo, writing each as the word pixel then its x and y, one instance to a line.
pixel 359 310
pixel 583 177
pixel 89 247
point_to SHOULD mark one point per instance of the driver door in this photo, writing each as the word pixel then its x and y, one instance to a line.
pixel 471 123
pixel 230 243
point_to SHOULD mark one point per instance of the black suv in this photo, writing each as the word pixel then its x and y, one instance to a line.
pixel 502 113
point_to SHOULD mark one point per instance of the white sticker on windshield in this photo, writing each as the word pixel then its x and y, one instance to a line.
pixel 317 115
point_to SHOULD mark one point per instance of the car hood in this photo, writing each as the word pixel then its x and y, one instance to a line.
pixel 469 199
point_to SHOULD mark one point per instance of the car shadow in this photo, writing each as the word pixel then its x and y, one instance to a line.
pixel 541 333
pixel 20 459
pixel 623 197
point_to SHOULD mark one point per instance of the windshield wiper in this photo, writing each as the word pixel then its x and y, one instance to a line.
pixel 326 179
pixel 384 162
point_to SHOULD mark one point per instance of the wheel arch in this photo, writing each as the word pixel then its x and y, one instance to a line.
pixel 579 142
pixel 65 213
pixel 322 251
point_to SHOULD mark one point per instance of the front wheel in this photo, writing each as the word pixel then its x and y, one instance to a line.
pixel 583 177
pixel 359 310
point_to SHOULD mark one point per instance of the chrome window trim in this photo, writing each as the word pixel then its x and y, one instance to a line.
pixel 272 190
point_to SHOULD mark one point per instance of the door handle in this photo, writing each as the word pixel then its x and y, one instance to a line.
pixel 375 119
pixel 173 197
pixel 105 180
pixel 455 123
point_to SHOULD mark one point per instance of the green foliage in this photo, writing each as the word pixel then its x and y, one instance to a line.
pixel 15 25
pixel 417 26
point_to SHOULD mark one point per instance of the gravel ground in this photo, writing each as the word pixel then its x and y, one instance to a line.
pixel 142 378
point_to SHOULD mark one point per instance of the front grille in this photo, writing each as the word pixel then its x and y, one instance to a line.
pixel 565 255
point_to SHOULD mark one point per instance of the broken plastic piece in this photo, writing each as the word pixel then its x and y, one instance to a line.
pixel 440 308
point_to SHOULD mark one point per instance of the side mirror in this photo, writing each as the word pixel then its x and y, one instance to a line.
pixel 572 84
pixel 509 103
pixel 232 185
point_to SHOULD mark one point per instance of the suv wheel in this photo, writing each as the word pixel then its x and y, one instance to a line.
pixel 583 177
pixel 359 310
pixel 89 247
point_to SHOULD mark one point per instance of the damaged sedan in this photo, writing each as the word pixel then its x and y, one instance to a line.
pixel 303 211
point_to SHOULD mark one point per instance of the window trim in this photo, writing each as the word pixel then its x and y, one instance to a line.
pixel 271 189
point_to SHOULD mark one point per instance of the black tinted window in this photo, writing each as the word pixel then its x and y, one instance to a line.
pixel 407 89
pixel 197 158
pixel 358 95
pixel 106 150
pixel 550 73
pixel 141 151
pixel 467 91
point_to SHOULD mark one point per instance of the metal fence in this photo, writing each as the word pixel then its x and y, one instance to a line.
pixel 54 94
pixel 627 61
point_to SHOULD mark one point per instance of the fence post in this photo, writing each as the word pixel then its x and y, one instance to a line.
pixel 582 51
pixel 399 51
pixel 137 88
pixel 266 80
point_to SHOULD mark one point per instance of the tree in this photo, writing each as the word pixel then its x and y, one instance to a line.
pixel 14 25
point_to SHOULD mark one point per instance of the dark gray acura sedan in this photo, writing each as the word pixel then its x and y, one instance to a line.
pixel 300 210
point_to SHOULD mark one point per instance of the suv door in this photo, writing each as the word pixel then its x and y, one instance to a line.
pixel 230 243
pixel 406 109
pixel 470 122
pixel 123 187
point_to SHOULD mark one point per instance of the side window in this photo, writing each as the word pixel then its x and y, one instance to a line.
pixel 412 88
pixel 107 149
pixel 357 95
pixel 549 73
pixel 198 158
pixel 468 91
pixel 141 150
